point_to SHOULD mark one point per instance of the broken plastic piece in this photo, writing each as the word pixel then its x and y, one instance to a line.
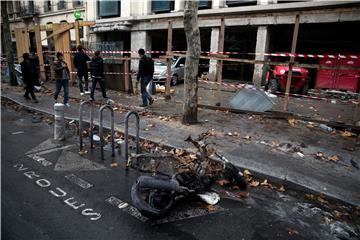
pixel 211 198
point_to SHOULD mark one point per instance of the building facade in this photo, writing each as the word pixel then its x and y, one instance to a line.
pixel 251 27
pixel 29 13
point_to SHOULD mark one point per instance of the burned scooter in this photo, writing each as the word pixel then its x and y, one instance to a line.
pixel 155 196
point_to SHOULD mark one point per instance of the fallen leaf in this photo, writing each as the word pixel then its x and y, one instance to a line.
pixel 242 194
pixel 223 182
pixel 210 208
pixel 322 200
pixel 246 173
pixel 265 183
pixel 292 231
pixel 83 152
pixel 346 134
pixel 292 121
pixel 179 152
pixel 114 164
pixel 309 196
pixel 254 184
pixel 337 214
pixel 327 220
pixel 247 137
pixel 281 189
pixel 333 158
pixel 193 156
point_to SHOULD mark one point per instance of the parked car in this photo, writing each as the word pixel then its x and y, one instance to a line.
pixel 277 77
pixel 177 70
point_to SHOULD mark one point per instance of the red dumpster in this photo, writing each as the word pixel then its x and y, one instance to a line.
pixel 339 79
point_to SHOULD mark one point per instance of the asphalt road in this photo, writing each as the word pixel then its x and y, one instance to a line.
pixel 50 192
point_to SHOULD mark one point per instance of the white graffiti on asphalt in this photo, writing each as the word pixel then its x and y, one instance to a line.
pixel 58 192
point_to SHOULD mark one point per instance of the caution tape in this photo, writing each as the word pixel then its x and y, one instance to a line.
pixel 242 86
pixel 108 73
pixel 331 56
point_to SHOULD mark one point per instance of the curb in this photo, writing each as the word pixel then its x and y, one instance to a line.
pixel 290 185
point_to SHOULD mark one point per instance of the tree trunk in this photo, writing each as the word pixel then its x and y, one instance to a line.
pixel 192 33
pixel 7 40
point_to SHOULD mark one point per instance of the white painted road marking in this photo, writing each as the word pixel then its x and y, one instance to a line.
pixel 58 192
pixel 16 133
pixel 124 206
pixel 40 160
pixel 79 181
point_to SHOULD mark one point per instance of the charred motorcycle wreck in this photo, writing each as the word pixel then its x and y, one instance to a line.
pixel 176 178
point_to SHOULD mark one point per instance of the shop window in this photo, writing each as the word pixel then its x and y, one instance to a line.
pixel 108 8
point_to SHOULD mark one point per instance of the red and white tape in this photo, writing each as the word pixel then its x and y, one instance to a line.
pixel 331 56
pixel 240 86
pixel 108 73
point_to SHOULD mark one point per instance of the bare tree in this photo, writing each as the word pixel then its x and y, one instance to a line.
pixel 192 33
pixel 7 40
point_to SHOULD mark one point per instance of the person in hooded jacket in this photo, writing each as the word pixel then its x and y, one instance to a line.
pixel 80 63
pixel 97 74
pixel 29 75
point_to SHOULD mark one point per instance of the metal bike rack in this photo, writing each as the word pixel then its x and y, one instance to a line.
pixel 127 133
pixel 81 109
pixel 102 130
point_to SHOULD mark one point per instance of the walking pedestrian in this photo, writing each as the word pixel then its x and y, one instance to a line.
pixel 29 76
pixel 97 74
pixel 145 74
pixel 80 63
pixel 62 75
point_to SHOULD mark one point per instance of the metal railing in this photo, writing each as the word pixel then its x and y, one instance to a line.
pixel 107 106
pixel 81 109
pixel 127 134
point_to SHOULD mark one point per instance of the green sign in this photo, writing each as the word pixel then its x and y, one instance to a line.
pixel 77 14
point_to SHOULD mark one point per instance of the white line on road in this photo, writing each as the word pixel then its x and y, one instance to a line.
pixel 79 181
pixel 40 160
pixel 124 206
pixel 16 133
pixel 54 149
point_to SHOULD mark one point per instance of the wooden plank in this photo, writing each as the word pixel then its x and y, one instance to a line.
pixel 77 33
pixel 168 61
pixel 282 115
pixel 22 42
pixel 64 27
pixel 293 49
pixel 39 52
pixel 86 23
pixel 295 64
pixel 356 117
pixel 126 76
pixel 221 49
pixel 62 43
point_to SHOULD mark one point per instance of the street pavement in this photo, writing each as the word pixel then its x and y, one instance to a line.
pixel 299 154
pixel 49 191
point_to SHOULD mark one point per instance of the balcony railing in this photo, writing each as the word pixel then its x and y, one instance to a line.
pixel 29 11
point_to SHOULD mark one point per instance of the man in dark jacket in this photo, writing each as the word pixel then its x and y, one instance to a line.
pixel 97 74
pixel 62 75
pixel 80 60
pixel 29 75
pixel 145 74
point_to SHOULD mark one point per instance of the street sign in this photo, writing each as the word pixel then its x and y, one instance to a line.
pixel 77 14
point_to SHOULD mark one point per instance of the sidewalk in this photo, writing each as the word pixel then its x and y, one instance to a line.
pixel 297 154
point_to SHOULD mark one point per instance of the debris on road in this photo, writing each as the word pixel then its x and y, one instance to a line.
pixel 180 175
